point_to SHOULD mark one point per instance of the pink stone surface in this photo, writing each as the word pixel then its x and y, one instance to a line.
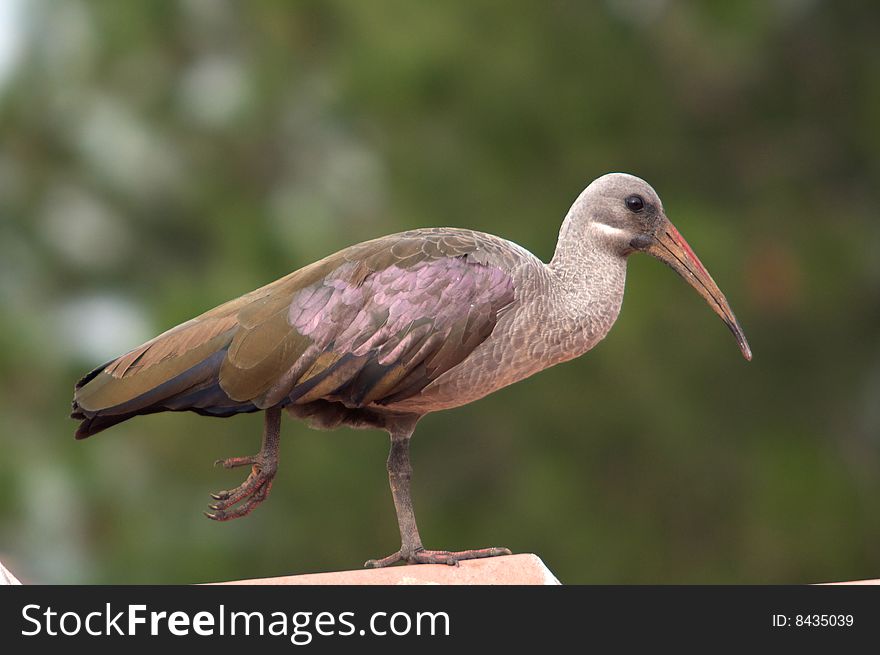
pixel 6 578
pixel 863 582
pixel 522 569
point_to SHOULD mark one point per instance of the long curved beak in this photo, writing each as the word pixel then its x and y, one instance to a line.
pixel 670 248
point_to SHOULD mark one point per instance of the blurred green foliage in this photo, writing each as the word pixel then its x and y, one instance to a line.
pixel 159 158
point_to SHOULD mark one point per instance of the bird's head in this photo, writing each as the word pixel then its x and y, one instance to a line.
pixel 625 213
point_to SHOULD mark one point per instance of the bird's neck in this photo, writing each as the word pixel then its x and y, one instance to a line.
pixel 586 258
pixel 586 283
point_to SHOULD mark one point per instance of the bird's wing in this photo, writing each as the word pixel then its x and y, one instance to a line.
pixel 374 323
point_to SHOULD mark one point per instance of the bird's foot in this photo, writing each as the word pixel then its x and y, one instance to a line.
pixel 422 556
pixel 250 493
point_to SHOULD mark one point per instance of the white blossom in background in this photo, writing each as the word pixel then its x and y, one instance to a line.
pixel 54 535
pixel 63 36
pixel 83 230
pixel 214 89
pixel 120 147
pixel 11 37
pixel 99 327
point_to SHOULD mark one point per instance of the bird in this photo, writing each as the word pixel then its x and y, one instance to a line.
pixel 382 333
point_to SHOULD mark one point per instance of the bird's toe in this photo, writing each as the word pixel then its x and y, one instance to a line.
pixel 250 493
pixel 383 562
pixel 235 462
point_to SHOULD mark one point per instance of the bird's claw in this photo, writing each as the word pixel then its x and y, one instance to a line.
pixel 422 556
pixel 253 491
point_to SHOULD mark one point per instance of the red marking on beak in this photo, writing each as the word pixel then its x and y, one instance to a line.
pixel 686 247
pixel 672 249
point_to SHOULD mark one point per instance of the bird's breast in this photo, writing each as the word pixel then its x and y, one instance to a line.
pixel 545 326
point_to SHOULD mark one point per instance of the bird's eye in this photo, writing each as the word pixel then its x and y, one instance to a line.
pixel 635 203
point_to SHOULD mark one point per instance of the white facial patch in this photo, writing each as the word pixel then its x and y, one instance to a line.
pixel 608 229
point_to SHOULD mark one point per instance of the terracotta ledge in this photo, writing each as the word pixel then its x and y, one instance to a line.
pixel 6 578
pixel 862 582
pixel 509 570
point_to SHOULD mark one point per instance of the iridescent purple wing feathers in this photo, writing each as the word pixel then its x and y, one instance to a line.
pixel 368 326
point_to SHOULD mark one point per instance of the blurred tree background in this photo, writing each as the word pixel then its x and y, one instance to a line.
pixel 159 158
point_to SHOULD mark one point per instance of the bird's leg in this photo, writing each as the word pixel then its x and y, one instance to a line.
pixel 255 489
pixel 411 549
